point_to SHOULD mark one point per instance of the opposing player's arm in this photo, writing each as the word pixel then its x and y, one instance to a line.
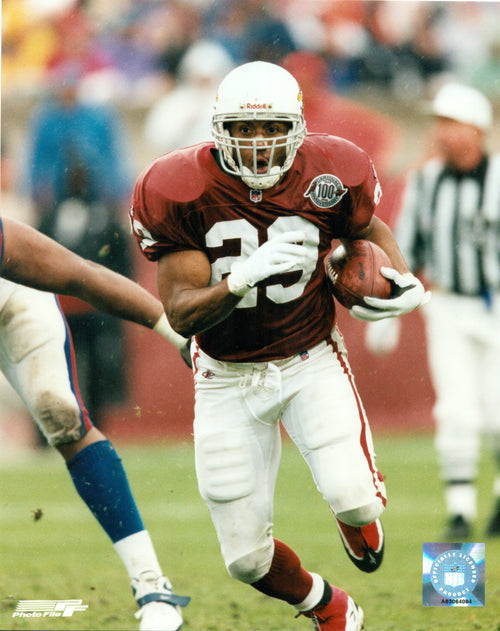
pixel 33 259
pixel 191 305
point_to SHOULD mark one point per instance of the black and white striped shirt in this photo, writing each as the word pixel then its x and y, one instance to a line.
pixel 449 226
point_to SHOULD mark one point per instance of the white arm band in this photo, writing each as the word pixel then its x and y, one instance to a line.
pixel 163 328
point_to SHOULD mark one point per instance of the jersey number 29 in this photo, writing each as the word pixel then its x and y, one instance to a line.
pixel 249 238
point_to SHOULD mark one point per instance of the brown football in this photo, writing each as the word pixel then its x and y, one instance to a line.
pixel 355 273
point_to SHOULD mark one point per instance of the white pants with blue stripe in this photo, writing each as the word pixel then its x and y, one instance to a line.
pixel 36 357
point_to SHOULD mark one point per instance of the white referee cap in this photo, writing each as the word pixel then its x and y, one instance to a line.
pixel 464 104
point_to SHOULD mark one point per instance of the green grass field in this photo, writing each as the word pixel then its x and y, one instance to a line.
pixel 65 555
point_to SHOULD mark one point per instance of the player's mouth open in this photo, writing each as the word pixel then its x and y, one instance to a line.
pixel 262 165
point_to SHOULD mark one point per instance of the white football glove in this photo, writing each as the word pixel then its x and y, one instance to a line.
pixel 409 295
pixel 276 256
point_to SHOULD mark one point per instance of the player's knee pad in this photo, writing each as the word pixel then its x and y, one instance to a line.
pixel 58 419
pixel 252 566
pixel 363 515
pixel 224 467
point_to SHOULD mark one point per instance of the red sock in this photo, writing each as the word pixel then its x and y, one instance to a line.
pixel 286 579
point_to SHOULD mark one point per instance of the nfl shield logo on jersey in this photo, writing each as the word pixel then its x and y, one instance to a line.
pixel 255 196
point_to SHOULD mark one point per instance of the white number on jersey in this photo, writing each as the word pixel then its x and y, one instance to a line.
pixel 249 238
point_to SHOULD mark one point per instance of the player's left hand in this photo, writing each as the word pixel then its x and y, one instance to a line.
pixel 409 293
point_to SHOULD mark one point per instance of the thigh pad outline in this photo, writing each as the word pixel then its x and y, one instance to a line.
pixel 224 464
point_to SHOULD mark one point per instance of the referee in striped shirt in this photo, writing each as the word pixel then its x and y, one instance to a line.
pixel 449 229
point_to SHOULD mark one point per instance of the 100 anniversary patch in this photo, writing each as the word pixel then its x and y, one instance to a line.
pixel 325 190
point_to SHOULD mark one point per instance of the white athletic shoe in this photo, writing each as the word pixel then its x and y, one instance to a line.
pixel 160 608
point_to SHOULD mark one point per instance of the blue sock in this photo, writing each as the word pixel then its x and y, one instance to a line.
pixel 101 482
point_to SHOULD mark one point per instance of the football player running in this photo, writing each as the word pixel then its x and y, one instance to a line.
pixel 36 357
pixel 240 230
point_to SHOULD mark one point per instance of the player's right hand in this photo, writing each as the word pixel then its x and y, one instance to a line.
pixel 278 255
pixel 409 295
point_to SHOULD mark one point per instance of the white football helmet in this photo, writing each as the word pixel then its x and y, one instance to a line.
pixel 258 91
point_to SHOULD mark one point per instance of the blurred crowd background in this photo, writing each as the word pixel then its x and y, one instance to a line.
pixel 92 90
pixel 131 54
pixel 130 51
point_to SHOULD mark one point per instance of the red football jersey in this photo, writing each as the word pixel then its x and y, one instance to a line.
pixel 184 201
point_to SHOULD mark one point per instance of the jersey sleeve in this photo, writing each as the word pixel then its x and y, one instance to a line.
pixel 365 200
pixel 351 170
pixel 159 224
pixel 364 195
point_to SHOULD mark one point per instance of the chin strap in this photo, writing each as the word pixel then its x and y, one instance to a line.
pixel 263 182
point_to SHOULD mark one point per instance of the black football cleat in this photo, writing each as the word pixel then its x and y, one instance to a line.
pixel 493 529
pixel 457 530
pixel 364 544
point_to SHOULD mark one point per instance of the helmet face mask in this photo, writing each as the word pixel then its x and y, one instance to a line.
pixel 258 92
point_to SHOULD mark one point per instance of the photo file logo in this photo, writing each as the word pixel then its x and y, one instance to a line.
pixel 48 608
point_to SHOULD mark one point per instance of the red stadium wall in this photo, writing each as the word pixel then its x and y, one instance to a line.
pixel 395 389
pixel 160 384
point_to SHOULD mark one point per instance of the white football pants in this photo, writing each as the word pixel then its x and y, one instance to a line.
pixel 237 444
pixel 36 357
pixel 464 359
